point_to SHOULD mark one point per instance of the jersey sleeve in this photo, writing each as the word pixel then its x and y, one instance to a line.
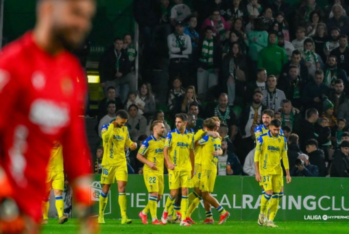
pixel 258 152
pixel 168 140
pixel 128 142
pixel 258 132
pixel 204 140
pixel 217 144
pixel 76 153
pixel 106 132
pixel 200 134
pixel 10 87
pixel 144 148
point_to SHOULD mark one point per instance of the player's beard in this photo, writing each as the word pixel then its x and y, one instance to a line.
pixel 266 124
pixel 59 34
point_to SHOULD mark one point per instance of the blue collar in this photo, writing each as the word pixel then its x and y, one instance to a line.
pixel 269 134
pixel 153 137
pixel 178 132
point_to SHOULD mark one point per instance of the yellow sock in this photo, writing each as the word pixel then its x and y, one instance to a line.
pixel 146 209
pixel 191 197
pixel 193 206
pixel 152 203
pixel 123 204
pixel 103 201
pixel 60 206
pixel 273 207
pixel 264 202
pixel 45 207
pixel 168 205
pixel 184 207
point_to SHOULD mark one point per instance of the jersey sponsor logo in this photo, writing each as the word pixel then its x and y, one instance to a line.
pixel 159 151
pixel 181 144
pixel 4 79
pixel 272 148
pixel 117 137
pixel 49 115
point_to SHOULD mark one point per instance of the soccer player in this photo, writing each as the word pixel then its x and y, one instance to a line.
pixel 115 138
pixel 270 150
pixel 55 181
pixel 267 117
pixel 179 157
pixel 211 149
pixel 39 67
pixel 195 196
pixel 151 154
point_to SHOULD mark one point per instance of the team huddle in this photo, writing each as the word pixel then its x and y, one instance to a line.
pixel 191 160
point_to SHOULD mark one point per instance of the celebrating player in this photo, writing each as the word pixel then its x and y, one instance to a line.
pixel 195 196
pixel 151 154
pixel 270 150
pixel 114 165
pixel 39 67
pixel 179 157
pixel 55 181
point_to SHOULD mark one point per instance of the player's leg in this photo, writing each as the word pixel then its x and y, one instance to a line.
pixel 266 196
pixel 174 185
pixel 193 204
pixel 58 187
pixel 45 207
pixel 208 214
pixel 176 208
pixel 273 205
pixel 107 178
pixel 186 184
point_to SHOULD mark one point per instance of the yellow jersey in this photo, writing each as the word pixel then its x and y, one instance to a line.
pixel 179 149
pixel 114 142
pixel 56 159
pixel 153 150
pixel 198 148
pixel 209 145
pixel 262 129
pixel 270 151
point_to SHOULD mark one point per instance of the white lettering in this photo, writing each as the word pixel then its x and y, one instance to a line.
pixel 247 201
pixel 140 199
pixel 234 203
pixel 320 200
pixel 284 202
pixel 343 202
pixel 297 204
pixel 334 204
pixel 258 202
pixel 312 203
pixel 225 201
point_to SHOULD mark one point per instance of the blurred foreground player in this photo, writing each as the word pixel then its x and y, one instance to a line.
pixel 39 68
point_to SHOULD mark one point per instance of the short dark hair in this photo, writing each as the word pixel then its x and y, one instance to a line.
pixel 257 91
pixel 268 112
pixel 345 134
pixel 343 36
pixel 286 101
pixel 111 102
pixel 319 72
pixel 332 56
pixel 275 123
pixel 182 116
pixel 118 39
pixel 308 40
pixel 260 70
pixel 310 112
pixel 209 28
pixel 338 81
pixel 292 67
pixel 194 104
pixel 133 105
pixel 273 32
pixel 99 148
pixel 287 129
pixel 110 87
pixel 341 119
pixel 293 138
pixel 122 114
pixel 296 52
pixel 312 142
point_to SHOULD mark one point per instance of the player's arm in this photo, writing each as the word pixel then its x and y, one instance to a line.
pixel 257 156
pixel 192 156
pixel 142 152
pixel 286 164
pixel 107 132
pixel 129 143
pixel 200 134
pixel 168 142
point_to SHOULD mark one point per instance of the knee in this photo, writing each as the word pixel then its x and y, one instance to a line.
pixel 270 192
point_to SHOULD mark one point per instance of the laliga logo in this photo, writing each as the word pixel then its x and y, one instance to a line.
pixel 324 217
pixel 96 190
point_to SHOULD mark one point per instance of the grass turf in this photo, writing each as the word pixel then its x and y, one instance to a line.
pixel 234 227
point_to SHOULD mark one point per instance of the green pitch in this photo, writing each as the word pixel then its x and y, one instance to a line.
pixel 231 227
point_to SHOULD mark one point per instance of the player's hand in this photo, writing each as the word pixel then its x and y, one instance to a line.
pixel 11 222
pixel 288 179
pixel 215 153
pixel 153 166
pixel 133 146
pixel 213 134
pixel 170 166
pixel 258 177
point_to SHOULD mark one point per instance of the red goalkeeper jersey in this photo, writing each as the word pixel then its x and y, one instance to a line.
pixel 42 98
